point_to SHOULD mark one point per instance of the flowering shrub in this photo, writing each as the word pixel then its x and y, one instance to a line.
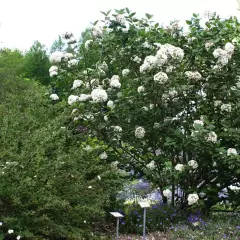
pixel 174 96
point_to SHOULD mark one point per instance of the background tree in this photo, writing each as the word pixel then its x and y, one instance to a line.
pixel 36 63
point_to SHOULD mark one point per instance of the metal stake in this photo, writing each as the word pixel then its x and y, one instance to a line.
pixel 144 223
pixel 117 228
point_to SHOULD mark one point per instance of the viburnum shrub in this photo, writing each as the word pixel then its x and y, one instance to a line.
pixel 164 101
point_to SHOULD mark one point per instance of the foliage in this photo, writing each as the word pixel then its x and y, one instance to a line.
pixel 11 63
pixel 36 63
pixel 50 187
pixel 167 103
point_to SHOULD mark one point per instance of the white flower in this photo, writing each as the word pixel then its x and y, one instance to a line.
pixel 88 44
pixel 99 95
pixel 105 118
pixel 193 164
pixel 217 103
pixel 53 69
pixel 72 63
pixel 77 83
pixel 52 74
pixel 229 47
pixel 179 167
pixel 234 188
pixel 89 187
pixel 137 59
pixel 151 165
pixel 167 193
pixel 193 75
pixel 88 148
pixel 110 104
pixel 125 72
pixel 54 97
pixel 103 156
pixel 97 31
pixel 103 66
pixel 192 198
pixel 117 129
pixel 72 99
pixel 148 64
pixel 141 89
pixel 147 45
pixel 10 231
pixel 56 57
pixel 208 45
pixel 84 97
pixel 226 107
pixel 160 77
pixel 114 82
pixel 219 53
pixel 18 237
pixel 68 56
pixel 99 178
pixel 212 137
pixel 231 151
pixel 139 132
pixel 120 19
pixel 197 123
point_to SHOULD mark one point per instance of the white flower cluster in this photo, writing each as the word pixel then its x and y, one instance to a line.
pixel 77 83
pixel 103 156
pixel 160 78
pixel 53 71
pixel 193 75
pixel 193 164
pixel 103 66
pixel 208 45
pixel 231 151
pixel 87 44
pixel 170 51
pixel 226 107
pixel 54 97
pixel 72 63
pixel 117 129
pixel 115 81
pixel 97 31
pixel 68 56
pixel 72 99
pixel 99 95
pixel 212 137
pixel 179 167
pixel 110 104
pixel 151 165
pixel 84 97
pixel 141 89
pixel 224 55
pixel 197 123
pixel 165 53
pixel 147 45
pixel 136 59
pixel 167 193
pixel 125 72
pixel 139 132
pixel 217 103
pixel 56 57
pixel 192 198
pixel 120 19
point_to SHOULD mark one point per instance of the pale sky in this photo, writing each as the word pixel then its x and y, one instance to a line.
pixel 23 21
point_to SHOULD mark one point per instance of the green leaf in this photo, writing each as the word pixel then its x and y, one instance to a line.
pixel 149 16
pixel 189 22
pixel 103 13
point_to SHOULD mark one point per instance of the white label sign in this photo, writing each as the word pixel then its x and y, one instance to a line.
pixel 116 214
pixel 144 204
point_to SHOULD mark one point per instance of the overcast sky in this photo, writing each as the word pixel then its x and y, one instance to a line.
pixel 23 21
